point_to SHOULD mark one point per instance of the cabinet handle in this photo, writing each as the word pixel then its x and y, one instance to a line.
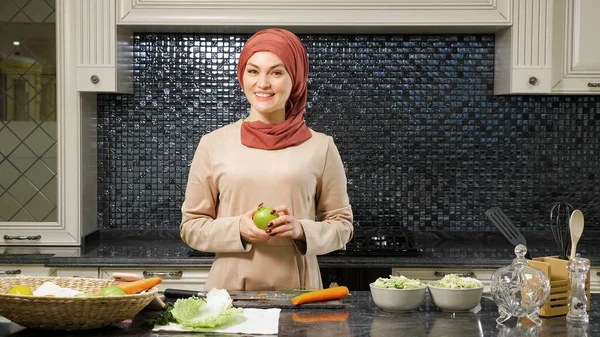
pixel 164 274
pixel 594 84
pixel 465 274
pixel 533 80
pixel 598 273
pixel 10 272
pixel 95 79
pixel 31 238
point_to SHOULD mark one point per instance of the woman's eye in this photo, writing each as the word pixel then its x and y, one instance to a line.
pixel 251 71
pixel 278 72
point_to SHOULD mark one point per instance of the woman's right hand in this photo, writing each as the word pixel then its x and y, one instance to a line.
pixel 248 229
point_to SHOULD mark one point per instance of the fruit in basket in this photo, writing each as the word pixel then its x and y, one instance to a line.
pixel 86 294
pixel 111 291
pixel 263 216
pixel 20 290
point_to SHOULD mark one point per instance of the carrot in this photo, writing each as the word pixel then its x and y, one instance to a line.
pixel 138 286
pixel 333 293
pixel 320 317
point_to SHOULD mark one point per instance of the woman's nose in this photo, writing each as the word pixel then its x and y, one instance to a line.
pixel 263 81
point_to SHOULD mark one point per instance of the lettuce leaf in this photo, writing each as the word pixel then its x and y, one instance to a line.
pixel 398 282
pixel 216 310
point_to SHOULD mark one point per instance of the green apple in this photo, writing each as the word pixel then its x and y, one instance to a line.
pixel 111 291
pixel 263 216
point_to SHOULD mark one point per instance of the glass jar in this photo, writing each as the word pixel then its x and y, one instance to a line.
pixel 519 290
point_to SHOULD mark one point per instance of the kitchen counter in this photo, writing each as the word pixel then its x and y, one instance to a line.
pixel 365 319
pixel 164 248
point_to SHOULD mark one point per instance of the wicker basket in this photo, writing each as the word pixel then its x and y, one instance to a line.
pixel 69 313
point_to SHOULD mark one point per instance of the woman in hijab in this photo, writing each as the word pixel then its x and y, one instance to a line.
pixel 270 158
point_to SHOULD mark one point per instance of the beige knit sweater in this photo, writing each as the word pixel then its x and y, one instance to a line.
pixel 227 179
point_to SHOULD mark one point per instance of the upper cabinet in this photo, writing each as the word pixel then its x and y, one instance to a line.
pixel 551 48
pixel 576 52
pixel 348 16
pixel 104 51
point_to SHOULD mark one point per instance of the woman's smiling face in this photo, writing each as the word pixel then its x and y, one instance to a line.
pixel 267 86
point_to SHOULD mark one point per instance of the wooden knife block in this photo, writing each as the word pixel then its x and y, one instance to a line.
pixel 556 270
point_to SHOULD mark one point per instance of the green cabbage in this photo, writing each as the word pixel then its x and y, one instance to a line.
pixel 398 282
pixel 453 281
pixel 216 310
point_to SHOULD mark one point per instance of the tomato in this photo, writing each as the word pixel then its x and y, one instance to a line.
pixel 111 291
pixel 20 290
pixel 263 216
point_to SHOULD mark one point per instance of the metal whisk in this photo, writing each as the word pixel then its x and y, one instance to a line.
pixel 559 224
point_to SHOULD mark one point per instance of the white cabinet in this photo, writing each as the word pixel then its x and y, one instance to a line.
pixel 576 51
pixel 76 272
pixel 523 63
pixel 433 274
pixel 319 15
pixel 104 51
pixel 14 270
pixel 552 47
pixel 178 278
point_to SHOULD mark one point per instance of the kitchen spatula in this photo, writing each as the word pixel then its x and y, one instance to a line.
pixel 506 227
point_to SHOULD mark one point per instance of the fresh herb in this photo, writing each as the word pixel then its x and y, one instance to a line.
pixel 165 317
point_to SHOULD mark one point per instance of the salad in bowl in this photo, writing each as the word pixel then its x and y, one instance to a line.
pixel 456 293
pixel 398 293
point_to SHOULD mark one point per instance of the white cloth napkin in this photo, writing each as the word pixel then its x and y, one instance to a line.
pixel 49 288
pixel 252 321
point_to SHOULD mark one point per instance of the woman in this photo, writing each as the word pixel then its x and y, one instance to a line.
pixel 270 158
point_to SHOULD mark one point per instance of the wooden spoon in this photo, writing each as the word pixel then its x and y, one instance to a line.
pixel 576 228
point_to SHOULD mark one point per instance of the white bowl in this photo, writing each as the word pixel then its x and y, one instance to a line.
pixel 397 300
pixel 447 299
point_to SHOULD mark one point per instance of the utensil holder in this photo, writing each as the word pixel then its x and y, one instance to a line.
pixel 556 269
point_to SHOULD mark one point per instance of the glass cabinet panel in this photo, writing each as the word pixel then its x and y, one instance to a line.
pixel 28 142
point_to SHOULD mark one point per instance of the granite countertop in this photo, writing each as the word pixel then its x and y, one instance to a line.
pixel 164 248
pixel 365 319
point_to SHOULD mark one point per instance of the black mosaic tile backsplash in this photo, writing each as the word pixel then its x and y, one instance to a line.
pixel 426 144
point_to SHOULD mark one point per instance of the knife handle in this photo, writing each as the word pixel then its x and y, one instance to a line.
pixel 182 293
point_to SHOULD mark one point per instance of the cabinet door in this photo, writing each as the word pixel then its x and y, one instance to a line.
pixel 39 128
pixel 76 272
pixel 433 274
pixel 178 278
pixel 576 61
pixel 14 270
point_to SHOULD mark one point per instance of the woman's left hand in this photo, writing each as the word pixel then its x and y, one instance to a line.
pixel 285 225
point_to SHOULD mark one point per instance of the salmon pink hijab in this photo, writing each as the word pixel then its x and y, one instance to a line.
pixel 291 51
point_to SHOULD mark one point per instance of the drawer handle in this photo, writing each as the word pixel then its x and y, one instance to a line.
pixel 594 84
pixel 465 274
pixel 10 272
pixel 163 274
pixel 31 238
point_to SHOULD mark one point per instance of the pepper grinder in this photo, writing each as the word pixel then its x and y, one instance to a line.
pixel 578 268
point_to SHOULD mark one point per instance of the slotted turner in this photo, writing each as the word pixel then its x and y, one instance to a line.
pixel 506 227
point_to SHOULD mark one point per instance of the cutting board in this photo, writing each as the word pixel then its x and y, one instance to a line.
pixel 283 300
